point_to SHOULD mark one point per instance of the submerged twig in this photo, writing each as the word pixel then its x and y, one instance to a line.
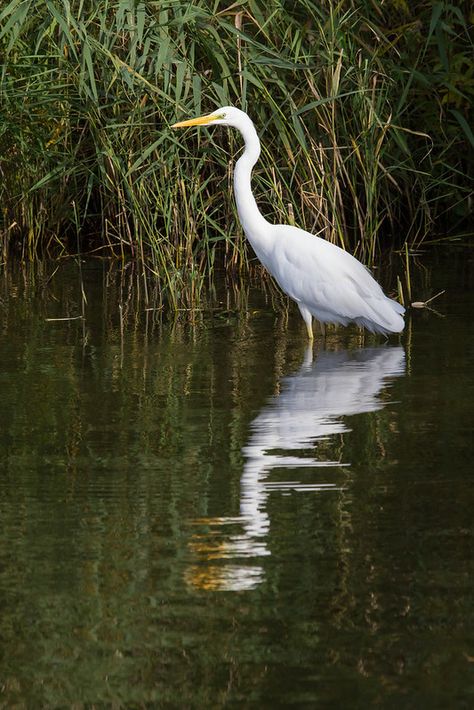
pixel 424 304
pixel 50 320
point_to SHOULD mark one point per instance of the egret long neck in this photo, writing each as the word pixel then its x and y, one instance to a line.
pixel 254 224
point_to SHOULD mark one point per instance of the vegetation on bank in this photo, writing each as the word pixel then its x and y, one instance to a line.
pixel 363 109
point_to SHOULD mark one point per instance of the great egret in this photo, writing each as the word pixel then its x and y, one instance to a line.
pixel 325 281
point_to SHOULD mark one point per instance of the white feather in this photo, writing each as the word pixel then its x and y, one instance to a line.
pixel 325 281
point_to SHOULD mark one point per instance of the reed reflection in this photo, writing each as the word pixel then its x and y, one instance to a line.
pixel 291 435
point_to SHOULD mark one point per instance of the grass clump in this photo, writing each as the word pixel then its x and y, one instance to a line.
pixel 363 111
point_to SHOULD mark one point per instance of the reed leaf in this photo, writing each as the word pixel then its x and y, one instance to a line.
pixel 363 109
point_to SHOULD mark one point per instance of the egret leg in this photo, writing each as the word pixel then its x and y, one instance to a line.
pixel 323 329
pixel 308 319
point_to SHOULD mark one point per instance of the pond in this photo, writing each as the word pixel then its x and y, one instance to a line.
pixel 206 512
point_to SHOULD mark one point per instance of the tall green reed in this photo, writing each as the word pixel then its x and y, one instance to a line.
pixel 351 148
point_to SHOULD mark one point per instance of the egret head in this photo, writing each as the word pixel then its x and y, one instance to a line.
pixel 226 116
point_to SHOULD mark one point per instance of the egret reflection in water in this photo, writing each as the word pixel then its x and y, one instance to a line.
pixel 312 407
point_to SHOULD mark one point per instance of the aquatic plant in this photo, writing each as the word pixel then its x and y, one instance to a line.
pixel 364 110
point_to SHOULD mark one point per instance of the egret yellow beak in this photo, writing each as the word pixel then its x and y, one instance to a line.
pixel 199 121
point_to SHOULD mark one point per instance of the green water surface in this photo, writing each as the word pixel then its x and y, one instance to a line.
pixel 206 513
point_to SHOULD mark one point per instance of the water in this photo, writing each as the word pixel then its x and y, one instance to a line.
pixel 209 514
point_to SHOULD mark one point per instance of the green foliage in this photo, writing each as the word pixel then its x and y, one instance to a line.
pixel 363 111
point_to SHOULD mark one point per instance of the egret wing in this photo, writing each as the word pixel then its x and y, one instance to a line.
pixel 330 282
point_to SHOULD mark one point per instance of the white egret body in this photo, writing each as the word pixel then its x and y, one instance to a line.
pixel 325 281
